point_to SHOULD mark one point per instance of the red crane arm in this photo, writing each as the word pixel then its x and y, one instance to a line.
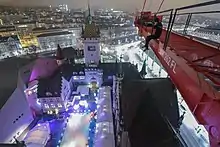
pixel 187 62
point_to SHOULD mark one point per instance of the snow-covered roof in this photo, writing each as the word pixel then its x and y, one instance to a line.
pixel 104 136
pixel 104 129
pixel 104 110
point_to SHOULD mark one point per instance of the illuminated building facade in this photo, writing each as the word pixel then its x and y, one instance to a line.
pixel 7 31
pixel 63 8
pixel 52 93
pixel 10 43
pixel 29 40
pixel 49 41
pixel 26 35
pixel 91 41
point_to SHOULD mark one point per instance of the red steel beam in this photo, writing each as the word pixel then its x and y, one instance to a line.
pixel 200 96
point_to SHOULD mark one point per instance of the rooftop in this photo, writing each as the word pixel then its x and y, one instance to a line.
pixel 67 71
pixel 7 28
pixel 9 73
pixel 91 31
pixel 129 69
pixel 50 86
pixel 142 97
pixel 54 34
pixel 22 23
pixel 43 28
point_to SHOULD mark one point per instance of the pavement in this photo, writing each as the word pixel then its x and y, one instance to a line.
pixel 76 134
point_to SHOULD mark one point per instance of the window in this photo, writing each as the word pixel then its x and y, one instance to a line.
pixel 91 48
pixel 75 77
pixel 52 105
pixel 59 105
pixel 46 105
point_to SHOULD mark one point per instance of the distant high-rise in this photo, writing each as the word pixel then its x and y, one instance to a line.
pixel 63 7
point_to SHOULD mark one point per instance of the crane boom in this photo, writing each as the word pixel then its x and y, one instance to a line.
pixel 189 64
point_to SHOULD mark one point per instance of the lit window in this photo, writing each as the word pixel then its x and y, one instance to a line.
pixel 46 105
pixel 75 77
pixel 52 105
pixel 59 105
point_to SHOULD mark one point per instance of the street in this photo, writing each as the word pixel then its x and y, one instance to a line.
pixel 76 133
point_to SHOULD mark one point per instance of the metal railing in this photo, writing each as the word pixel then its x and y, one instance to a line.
pixel 177 135
pixel 174 13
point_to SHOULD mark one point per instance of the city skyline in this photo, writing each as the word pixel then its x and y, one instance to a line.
pixel 129 5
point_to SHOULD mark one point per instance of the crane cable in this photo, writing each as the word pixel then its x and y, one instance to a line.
pixel 161 4
pixel 144 5
pixel 141 21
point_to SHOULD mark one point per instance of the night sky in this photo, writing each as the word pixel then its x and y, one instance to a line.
pixel 130 5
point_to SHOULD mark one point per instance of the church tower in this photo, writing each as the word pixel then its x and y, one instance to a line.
pixel 91 41
pixel 59 56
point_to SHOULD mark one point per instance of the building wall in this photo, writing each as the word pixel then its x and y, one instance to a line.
pixel 8 33
pixel 52 103
pixel 92 50
pixel 31 95
pixel 29 40
pixel 32 71
pixel 51 42
pixel 96 74
pixel 66 89
pixel 17 116
pixel 10 45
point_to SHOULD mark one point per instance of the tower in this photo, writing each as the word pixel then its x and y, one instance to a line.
pixel 91 41
pixel 59 55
